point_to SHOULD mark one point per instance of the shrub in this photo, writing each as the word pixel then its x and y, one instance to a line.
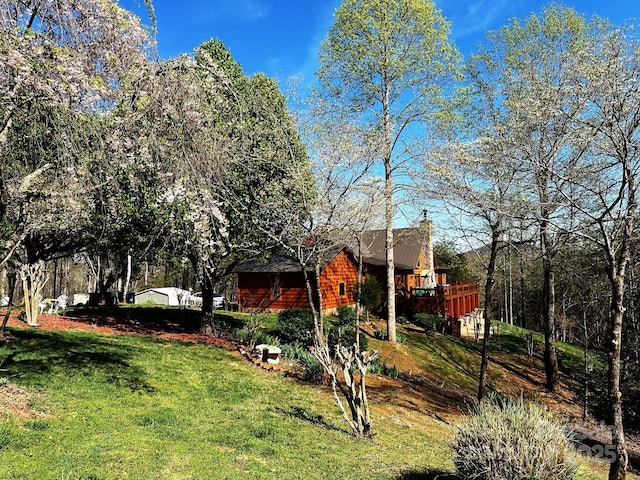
pixel 346 316
pixel 381 333
pixel 295 325
pixel 293 351
pixel 313 371
pixel 427 321
pixel 512 440
pixel 371 293
pixel 383 369
pixel 346 337
pixel 265 338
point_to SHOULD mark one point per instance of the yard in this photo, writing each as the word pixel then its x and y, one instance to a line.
pixel 82 402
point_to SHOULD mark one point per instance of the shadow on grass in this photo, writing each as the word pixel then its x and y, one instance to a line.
pixel 304 414
pixel 150 320
pixel 37 356
pixel 428 475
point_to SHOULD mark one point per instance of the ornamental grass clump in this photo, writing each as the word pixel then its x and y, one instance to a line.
pixel 512 440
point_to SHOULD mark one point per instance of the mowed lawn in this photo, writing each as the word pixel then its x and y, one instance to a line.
pixel 95 406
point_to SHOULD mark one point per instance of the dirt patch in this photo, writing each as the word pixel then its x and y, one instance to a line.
pixel 16 402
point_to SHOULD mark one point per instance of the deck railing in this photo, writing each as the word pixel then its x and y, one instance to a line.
pixel 453 290
pixel 451 301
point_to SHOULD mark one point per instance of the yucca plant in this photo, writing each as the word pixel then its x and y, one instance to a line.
pixel 512 440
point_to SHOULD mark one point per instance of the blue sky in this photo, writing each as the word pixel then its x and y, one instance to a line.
pixel 281 37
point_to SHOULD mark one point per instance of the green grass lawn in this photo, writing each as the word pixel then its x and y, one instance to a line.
pixel 98 406
pixel 111 407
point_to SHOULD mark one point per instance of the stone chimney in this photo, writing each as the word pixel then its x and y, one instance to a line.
pixel 428 271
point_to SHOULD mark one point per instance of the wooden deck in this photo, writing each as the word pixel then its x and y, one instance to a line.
pixel 451 301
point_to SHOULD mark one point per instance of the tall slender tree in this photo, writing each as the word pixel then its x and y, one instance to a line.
pixel 608 183
pixel 385 64
pixel 530 64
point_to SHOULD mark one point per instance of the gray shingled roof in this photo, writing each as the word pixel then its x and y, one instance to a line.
pixel 276 264
pixel 282 263
pixel 406 251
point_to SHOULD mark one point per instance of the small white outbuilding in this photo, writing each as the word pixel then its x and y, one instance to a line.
pixel 170 296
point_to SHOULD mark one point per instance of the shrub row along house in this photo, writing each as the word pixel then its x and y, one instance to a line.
pixel 421 285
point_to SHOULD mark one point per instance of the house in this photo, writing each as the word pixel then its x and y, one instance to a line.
pixel 171 296
pixel 415 266
pixel 421 284
pixel 278 284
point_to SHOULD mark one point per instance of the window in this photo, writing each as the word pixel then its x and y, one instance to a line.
pixel 341 289
pixel 275 283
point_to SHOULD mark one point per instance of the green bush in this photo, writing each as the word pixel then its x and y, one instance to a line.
pixel 383 369
pixel 346 316
pixel 296 325
pixel 512 440
pixel 427 321
pixel 381 334
pixel 265 338
pixel 371 293
pixel 346 337
pixel 293 351
pixel 313 371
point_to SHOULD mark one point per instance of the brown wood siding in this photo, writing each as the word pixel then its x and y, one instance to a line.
pixel 341 270
pixel 255 290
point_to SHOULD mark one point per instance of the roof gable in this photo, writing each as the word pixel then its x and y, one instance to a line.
pixel 408 245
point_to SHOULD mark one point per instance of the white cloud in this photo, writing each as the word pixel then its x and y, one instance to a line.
pixel 470 18
pixel 245 10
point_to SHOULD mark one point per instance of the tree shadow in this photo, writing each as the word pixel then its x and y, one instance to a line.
pixel 149 320
pixel 36 355
pixel 304 414
pixel 141 320
pixel 428 475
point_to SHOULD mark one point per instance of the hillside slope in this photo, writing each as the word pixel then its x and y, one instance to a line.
pixel 439 375
pixel 436 383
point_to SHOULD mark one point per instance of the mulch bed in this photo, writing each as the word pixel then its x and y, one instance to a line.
pixel 122 326
pixel 119 326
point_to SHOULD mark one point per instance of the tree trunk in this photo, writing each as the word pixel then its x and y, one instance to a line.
pixel 550 356
pixel 5 320
pixel 208 317
pixel 549 302
pixel 127 281
pixel 388 215
pixel 488 295
pixel 618 468
pixel 33 281
pixel 391 285
pixel 359 292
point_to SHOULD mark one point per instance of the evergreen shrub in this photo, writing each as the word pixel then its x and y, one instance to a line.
pixel 295 325
pixel 512 440
pixel 428 321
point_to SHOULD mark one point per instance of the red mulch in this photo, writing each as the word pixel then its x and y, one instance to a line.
pixel 114 325
pixel 122 326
